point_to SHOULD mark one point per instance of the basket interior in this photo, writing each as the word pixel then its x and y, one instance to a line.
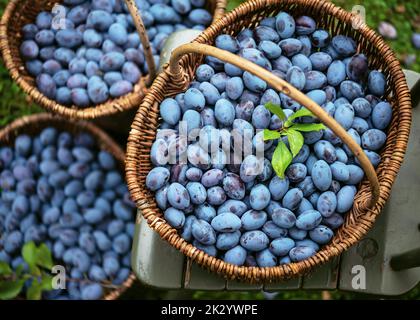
pixel 26 12
pixel 359 220
pixel 21 12
pixel 33 125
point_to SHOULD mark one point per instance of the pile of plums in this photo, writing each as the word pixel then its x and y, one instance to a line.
pixel 255 218
pixel 60 189
pixel 84 52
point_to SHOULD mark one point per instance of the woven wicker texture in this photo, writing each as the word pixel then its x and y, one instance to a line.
pixel 34 124
pixel 20 12
pixel 360 219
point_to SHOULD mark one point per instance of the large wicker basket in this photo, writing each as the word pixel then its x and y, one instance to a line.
pixel 372 193
pixel 20 12
pixel 33 125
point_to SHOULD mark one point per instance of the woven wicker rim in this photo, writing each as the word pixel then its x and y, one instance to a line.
pixel 18 12
pixel 360 219
pixel 33 124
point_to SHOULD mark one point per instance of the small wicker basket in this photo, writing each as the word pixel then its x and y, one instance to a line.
pixel 34 124
pixel 372 193
pixel 20 12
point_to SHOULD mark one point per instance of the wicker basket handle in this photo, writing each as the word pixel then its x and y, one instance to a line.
pixel 287 89
pixel 138 22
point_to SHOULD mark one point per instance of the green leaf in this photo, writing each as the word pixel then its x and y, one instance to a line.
pixel 46 282
pixel 275 109
pixel 35 271
pixel 34 291
pixel 271 134
pixel 19 270
pixel 308 127
pixel 281 159
pixel 10 289
pixel 300 113
pixel 29 254
pixel 43 257
pixel 37 257
pixel 296 141
pixel 5 269
pixel 303 112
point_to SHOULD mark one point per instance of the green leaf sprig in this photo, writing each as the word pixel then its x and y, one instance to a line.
pixel 39 261
pixel 282 156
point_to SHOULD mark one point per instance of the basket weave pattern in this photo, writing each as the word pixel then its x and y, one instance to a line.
pixel 20 12
pixel 360 219
pixel 34 124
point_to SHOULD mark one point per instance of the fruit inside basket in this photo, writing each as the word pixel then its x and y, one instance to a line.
pixel 93 58
pixel 281 209
pixel 282 206
pixel 64 206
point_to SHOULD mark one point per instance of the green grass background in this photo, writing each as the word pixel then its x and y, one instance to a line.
pixel 404 15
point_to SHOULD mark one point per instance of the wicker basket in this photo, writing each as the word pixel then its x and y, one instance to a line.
pixel 20 12
pixel 34 124
pixel 372 193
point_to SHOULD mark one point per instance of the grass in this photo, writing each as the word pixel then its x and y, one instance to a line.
pixel 404 15
pixel 13 102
